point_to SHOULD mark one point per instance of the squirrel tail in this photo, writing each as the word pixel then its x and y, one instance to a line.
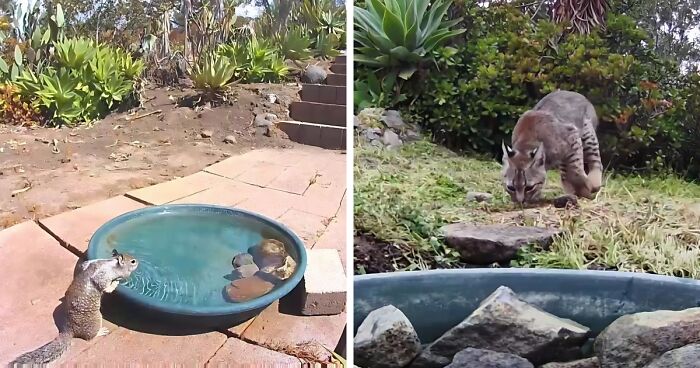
pixel 47 353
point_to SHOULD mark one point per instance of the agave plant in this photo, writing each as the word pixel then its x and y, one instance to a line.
pixel 295 45
pixel 213 73
pixel 75 52
pixel 401 34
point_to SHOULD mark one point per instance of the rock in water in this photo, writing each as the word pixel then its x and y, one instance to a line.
pixel 242 259
pixel 685 357
pixel 314 75
pixel 635 340
pixel 246 270
pixel 506 324
pixel 386 339
pixel 480 358
pixel 583 363
pixel 486 244
pixel 242 290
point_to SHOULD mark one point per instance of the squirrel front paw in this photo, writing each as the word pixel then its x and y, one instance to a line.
pixel 112 286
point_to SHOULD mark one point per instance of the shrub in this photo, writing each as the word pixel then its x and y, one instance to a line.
pixel 15 111
pixel 473 95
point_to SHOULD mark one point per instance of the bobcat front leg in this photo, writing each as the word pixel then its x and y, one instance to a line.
pixel 574 180
pixel 591 157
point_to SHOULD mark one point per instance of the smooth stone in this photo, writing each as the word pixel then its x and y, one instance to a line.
pixel 479 197
pixel 635 340
pixel 314 74
pixel 481 358
pixel 582 363
pixel 246 270
pixel 392 119
pixel 505 323
pixel 242 259
pixel 391 139
pixel 386 339
pixel 230 139
pixel 242 290
pixel 486 244
pixel 685 357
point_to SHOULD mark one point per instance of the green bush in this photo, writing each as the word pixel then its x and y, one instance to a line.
pixel 255 61
pixel 473 95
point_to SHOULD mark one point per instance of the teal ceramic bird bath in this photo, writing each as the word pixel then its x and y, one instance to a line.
pixel 185 254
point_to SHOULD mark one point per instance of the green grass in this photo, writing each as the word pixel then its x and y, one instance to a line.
pixel 636 224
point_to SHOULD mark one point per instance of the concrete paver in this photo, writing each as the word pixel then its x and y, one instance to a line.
pixel 129 348
pixel 175 189
pixel 335 238
pixel 269 202
pixel 225 194
pixel 238 353
pixel 276 328
pixel 37 270
pixel 76 227
pixel 306 225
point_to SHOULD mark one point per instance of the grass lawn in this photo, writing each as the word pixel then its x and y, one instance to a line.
pixel 403 197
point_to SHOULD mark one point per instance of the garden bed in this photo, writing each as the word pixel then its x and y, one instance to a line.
pixel 404 196
pixel 117 155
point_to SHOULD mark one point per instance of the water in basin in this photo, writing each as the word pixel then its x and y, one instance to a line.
pixel 185 257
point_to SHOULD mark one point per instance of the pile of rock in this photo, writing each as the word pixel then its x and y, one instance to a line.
pixel 384 128
pixel 507 332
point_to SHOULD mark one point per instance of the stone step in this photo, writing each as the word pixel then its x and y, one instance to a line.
pixel 323 94
pixel 318 113
pixel 339 68
pixel 342 59
pixel 319 135
pixel 334 79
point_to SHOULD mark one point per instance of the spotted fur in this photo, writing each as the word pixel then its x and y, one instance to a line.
pixel 558 133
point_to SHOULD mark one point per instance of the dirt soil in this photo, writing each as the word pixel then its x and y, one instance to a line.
pixel 123 152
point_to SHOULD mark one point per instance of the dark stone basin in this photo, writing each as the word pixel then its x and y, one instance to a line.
pixel 435 301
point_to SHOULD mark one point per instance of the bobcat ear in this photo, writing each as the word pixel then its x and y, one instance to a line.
pixel 537 155
pixel 507 151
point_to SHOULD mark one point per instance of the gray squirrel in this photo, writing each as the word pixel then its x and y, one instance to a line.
pixel 83 300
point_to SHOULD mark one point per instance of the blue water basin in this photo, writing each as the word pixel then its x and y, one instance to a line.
pixel 435 301
pixel 185 254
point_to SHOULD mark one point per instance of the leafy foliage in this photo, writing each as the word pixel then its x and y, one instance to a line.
pixel 474 94
pixel 14 110
pixel 255 61
pixel 213 74
pixel 400 35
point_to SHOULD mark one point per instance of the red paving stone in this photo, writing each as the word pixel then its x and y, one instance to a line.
pixel 226 194
pixel 269 202
pixel 324 196
pixel 261 174
pixel 274 328
pixel 238 330
pixel 36 273
pixel 177 189
pixel 335 237
pixel 237 353
pixel 77 226
pixel 294 179
pixel 306 225
pixel 128 348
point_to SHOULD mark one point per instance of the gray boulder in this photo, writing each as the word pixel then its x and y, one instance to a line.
pixel 386 339
pixel 486 244
pixel 391 139
pixel 314 74
pixel 506 324
pixel 480 358
pixel 685 357
pixel 583 363
pixel 392 119
pixel 635 340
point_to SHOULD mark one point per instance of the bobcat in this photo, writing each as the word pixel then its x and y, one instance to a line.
pixel 559 132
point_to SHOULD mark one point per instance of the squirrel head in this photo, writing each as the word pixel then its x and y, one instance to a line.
pixel 125 264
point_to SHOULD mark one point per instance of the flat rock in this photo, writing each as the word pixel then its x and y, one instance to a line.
pixel 391 139
pixel 582 363
pixel 506 324
pixel 635 340
pixel 246 270
pixel 386 339
pixel 479 197
pixel 242 290
pixel 486 244
pixel 481 358
pixel 685 357
pixel 392 119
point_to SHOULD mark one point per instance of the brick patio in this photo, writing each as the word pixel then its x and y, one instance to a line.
pixel 304 188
